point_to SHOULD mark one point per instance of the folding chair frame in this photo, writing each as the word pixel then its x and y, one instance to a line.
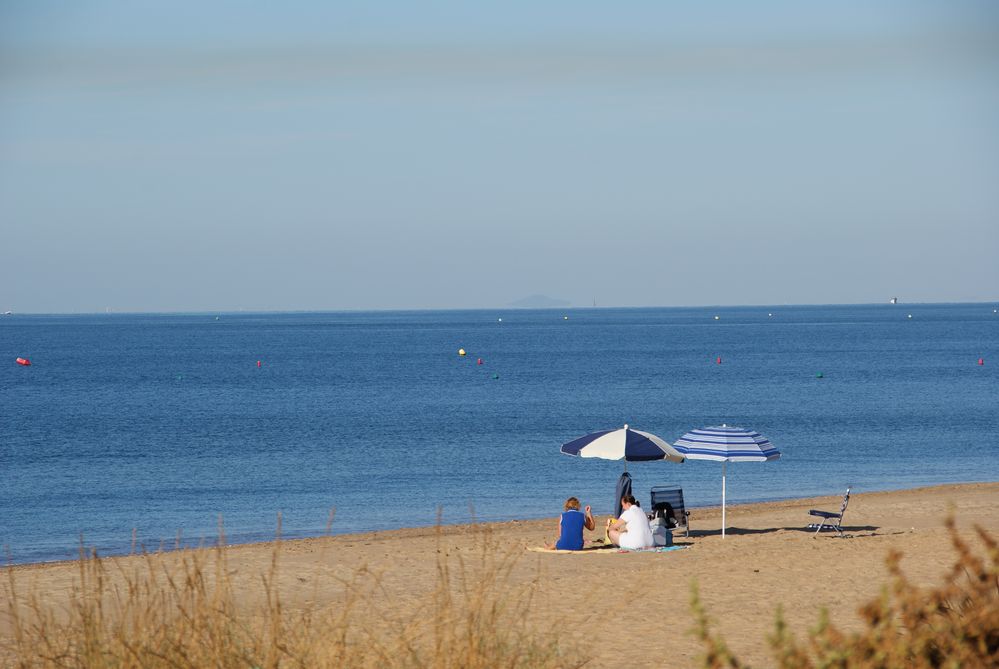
pixel 830 520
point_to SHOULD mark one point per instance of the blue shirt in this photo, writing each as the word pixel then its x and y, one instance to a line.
pixel 571 538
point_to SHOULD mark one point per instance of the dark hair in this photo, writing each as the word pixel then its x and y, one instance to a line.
pixel 628 499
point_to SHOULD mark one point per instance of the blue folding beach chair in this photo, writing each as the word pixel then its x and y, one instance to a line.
pixel 830 520
pixel 667 501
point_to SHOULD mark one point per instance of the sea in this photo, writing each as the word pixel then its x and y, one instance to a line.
pixel 133 432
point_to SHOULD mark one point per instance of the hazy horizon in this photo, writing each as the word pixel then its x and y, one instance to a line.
pixel 498 308
pixel 344 156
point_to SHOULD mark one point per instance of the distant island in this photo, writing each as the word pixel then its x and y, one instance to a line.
pixel 539 302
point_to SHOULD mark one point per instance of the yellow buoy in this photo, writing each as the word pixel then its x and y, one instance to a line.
pixel 461 351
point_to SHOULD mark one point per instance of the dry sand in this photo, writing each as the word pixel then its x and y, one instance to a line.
pixel 632 609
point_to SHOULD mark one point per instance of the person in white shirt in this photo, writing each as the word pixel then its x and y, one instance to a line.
pixel 632 529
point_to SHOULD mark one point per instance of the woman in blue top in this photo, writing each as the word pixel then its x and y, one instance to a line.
pixel 571 524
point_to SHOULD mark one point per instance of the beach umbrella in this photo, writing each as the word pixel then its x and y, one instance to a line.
pixel 622 444
pixel 726 444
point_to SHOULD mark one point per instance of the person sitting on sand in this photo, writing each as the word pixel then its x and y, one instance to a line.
pixel 632 529
pixel 570 526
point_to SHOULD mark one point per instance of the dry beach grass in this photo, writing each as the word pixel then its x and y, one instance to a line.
pixel 184 610
pixel 471 596
pixel 954 624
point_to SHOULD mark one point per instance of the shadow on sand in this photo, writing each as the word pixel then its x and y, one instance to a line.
pixel 849 530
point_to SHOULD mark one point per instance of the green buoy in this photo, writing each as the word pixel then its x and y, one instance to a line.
pixel 495 376
pixel 819 375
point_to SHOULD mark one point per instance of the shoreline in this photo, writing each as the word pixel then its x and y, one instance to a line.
pixel 711 512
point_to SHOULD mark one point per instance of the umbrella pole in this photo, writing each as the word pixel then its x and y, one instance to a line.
pixel 724 462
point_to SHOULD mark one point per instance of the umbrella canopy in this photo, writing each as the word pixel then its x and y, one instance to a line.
pixel 731 444
pixel 726 444
pixel 622 444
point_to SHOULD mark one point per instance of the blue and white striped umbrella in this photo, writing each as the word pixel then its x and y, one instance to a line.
pixel 731 444
pixel 624 443
pixel 726 444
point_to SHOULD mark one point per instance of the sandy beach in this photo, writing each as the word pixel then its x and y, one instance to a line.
pixel 628 609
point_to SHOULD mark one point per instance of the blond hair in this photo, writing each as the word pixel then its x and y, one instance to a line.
pixel 572 503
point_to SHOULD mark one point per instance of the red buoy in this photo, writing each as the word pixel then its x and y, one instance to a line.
pixel 24 361
pixel 718 360
pixel 981 361
pixel 480 361
pixel 258 363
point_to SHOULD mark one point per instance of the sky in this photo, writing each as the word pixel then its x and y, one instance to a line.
pixel 193 156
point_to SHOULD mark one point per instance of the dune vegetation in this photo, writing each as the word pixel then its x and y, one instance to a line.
pixel 179 609
pixel 955 624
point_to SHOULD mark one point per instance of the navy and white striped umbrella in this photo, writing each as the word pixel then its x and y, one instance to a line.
pixel 624 443
pixel 726 444
pixel 731 444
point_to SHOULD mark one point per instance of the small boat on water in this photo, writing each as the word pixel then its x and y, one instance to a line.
pixel 893 300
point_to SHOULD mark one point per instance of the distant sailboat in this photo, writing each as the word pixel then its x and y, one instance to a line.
pixel 893 300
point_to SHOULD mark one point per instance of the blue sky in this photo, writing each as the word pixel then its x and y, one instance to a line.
pixel 215 156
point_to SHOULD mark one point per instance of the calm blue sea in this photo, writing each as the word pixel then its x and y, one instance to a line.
pixel 162 423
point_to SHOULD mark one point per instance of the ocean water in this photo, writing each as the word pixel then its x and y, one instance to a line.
pixel 162 424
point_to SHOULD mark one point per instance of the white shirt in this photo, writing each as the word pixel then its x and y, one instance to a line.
pixel 639 534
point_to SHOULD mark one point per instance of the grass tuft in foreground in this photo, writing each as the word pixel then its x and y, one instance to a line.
pixel 180 610
pixel 953 625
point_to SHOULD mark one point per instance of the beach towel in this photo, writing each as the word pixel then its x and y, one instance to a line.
pixel 608 550
pixel 593 548
pixel 652 549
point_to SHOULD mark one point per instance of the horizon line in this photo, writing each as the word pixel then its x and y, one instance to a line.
pixel 112 312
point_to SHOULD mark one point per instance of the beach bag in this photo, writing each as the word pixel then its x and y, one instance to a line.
pixel 664 510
